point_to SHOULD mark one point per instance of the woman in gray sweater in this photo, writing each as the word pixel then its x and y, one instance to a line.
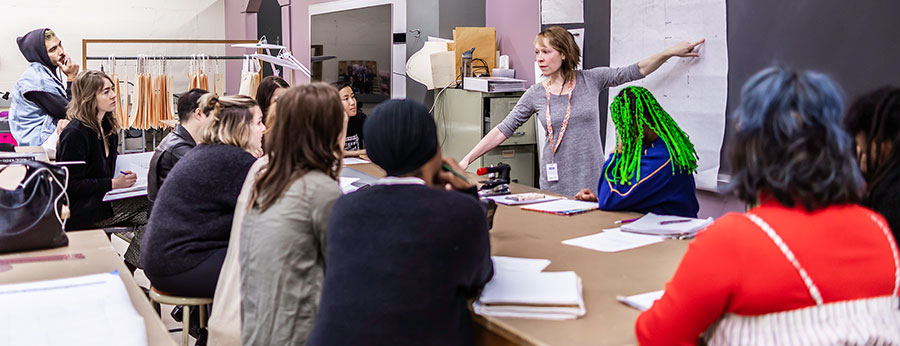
pixel 572 157
pixel 282 244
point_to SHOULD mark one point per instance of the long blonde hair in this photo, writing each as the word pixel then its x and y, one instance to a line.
pixel 232 119
pixel 83 106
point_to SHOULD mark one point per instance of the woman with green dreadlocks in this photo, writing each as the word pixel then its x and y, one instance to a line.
pixel 652 169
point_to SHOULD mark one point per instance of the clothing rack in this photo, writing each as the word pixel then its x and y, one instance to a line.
pixel 86 42
pixel 86 57
pixel 170 57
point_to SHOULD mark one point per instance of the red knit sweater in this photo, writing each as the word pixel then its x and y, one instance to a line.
pixel 733 266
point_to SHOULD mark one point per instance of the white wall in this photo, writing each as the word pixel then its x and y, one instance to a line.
pixel 91 19
pixel 361 34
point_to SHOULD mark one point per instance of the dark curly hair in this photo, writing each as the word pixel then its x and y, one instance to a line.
pixel 875 119
pixel 789 143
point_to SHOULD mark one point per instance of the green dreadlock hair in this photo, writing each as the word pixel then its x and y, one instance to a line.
pixel 633 109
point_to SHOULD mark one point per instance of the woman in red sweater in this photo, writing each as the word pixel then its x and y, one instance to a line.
pixel 792 159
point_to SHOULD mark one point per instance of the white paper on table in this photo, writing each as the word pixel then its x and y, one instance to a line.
pixel 613 240
pixel 518 264
pixel 562 11
pixel 354 161
pixel 562 206
pixel 85 310
pixel 694 91
pixel 578 34
pixel 347 184
pixel 642 302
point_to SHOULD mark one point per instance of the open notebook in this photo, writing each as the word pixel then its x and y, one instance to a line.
pixel 541 295
pixel 667 226
pixel 140 165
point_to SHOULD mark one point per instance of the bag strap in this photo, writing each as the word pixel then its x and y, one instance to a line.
pixel 810 285
pixel 893 244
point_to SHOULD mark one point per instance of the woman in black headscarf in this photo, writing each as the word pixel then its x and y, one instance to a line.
pixel 406 239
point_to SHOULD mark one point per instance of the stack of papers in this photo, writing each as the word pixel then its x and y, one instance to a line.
pixel 86 310
pixel 551 295
pixel 642 302
pixel 563 207
pixel 493 84
pixel 667 226
pixel 613 240
pixel 523 198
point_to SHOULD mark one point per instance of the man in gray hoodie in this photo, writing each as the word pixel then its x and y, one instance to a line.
pixel 39 96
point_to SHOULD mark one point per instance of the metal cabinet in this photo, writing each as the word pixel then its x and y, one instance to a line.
pixel 463 117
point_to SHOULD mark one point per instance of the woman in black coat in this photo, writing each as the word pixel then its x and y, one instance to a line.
pixel 92 137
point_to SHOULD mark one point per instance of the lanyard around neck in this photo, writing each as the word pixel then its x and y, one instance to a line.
pixel 562 130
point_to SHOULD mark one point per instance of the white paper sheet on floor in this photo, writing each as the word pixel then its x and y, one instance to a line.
pixel 694 91
pixel 86 310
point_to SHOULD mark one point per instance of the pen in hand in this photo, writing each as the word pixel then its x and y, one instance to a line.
pixel 447 168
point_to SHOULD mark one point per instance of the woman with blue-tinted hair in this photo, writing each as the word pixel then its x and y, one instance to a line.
pixel 808 264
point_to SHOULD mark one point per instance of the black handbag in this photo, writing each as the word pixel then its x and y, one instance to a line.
pixel 32 217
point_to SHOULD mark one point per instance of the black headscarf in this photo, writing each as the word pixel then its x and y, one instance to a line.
pixel 400 136
pixel 32 47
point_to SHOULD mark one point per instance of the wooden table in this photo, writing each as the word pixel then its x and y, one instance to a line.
pixel 99 257
pixel 520 233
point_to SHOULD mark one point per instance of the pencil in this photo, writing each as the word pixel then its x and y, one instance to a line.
pixel 451 170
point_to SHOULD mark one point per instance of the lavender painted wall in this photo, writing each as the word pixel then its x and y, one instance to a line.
pixel 238 26
pixel 517 21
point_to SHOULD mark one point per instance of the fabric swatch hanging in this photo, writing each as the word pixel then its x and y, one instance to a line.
pixel 143 110
pixel 202 79
pixel 218 81
pixel 250 77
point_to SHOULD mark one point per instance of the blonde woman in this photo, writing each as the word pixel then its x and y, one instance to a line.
pixel 187 236
pixel 92 137
pixel 572 158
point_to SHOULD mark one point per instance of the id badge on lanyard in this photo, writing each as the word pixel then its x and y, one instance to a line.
pixel 552 168
pixel 552 172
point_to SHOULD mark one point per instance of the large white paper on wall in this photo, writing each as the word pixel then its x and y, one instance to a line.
pixel 562 11
pixel 692 90
pixel 578 34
